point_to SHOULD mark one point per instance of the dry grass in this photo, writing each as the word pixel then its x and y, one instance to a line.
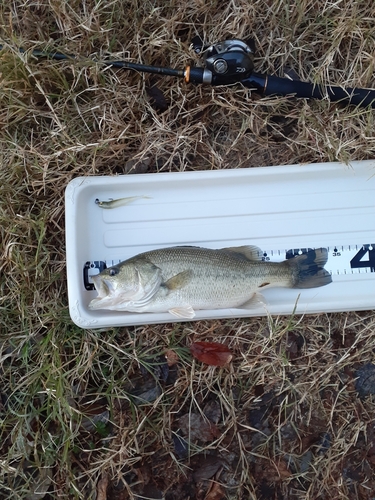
pixel 87 414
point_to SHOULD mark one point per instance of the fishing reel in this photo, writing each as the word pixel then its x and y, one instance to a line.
pixel 232 61
pixel 226 62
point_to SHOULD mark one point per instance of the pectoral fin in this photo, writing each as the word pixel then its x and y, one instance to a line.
pixel 179 280
pixel 182 312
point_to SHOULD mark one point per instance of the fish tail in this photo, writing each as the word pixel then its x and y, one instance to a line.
pixel 308 269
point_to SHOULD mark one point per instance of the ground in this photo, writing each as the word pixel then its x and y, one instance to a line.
pixel 128 412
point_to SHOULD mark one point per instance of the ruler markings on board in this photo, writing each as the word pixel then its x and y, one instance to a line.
pixel 342 260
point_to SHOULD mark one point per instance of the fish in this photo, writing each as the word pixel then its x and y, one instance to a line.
pixel 183 279
pixel 119 202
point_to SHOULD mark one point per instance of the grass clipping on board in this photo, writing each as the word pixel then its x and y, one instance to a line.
pixel 128 413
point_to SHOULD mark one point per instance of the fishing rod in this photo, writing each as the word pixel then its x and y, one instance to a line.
pixel 230 62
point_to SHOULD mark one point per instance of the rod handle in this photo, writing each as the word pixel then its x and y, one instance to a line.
pixel 274 85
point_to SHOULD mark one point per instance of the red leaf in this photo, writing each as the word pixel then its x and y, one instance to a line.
pixel 211 353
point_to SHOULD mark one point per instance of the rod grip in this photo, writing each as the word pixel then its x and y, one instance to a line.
pixel 274 85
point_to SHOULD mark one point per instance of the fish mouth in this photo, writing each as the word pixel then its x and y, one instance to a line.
pixel 95 304
pixel 104 293
pixel 102 286
pixel 107 297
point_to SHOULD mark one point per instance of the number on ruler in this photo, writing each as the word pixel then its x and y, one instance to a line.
pixel 357 261
pixel 296 251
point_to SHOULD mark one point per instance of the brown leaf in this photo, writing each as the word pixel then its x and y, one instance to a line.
pixel 212 410
pixel 211 353
pixel 194 427
pixel 206 467
pixel 216 492
pixel 272 472
pixel 172 357
pixel 283 470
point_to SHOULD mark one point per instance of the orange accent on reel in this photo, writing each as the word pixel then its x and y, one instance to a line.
pixel 187 74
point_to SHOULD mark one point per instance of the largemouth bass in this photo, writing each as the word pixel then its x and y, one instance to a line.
pixel 181 280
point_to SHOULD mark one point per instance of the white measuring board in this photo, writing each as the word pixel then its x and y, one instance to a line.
pixel 284 210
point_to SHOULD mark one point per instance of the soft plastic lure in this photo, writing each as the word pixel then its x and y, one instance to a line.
pixel 119 202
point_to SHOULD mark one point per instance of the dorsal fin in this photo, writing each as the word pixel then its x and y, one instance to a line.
pixel 248 252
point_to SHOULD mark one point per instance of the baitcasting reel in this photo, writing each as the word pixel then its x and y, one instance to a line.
pixel 225 62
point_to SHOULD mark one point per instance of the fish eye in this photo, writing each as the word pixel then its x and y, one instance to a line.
pixel 113 271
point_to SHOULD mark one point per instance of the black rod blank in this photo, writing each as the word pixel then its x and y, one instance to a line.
pixel 143 68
